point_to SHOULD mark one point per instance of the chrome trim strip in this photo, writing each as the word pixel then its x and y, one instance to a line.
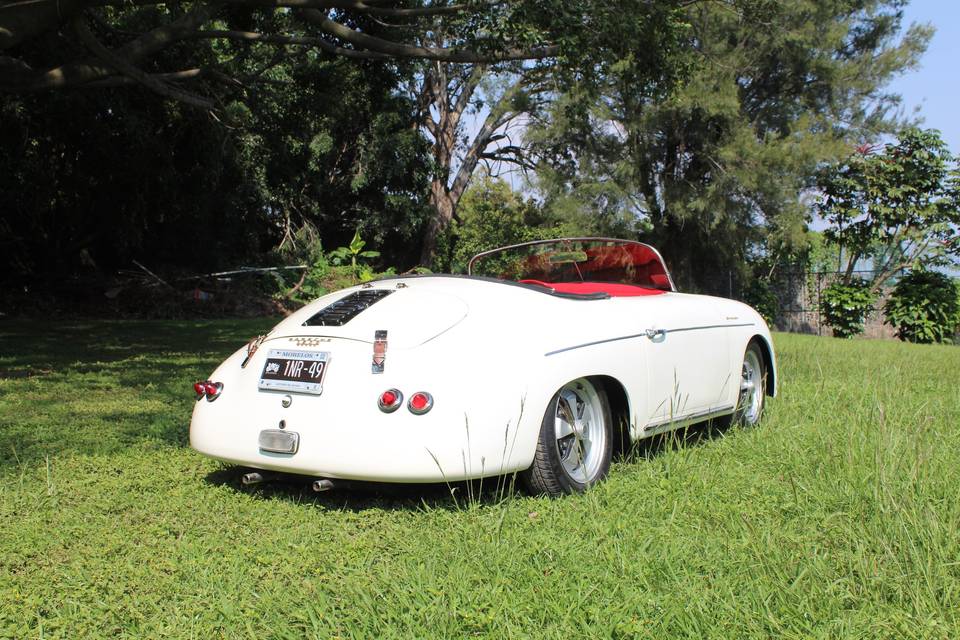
pixel 711 326
pixel 693 417
pixel 644 335
pixel 590 344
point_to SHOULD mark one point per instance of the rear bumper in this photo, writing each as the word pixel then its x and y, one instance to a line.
pixel 437 450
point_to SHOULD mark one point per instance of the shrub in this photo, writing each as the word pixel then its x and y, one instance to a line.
pixel 354 252
pixel 341 268
pixel 845 305
pixel 759 295
pixel 924 307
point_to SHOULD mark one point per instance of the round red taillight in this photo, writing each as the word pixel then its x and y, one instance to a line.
pixel 420 402
pixel 390 400
pixel 212 389
pixel 200 389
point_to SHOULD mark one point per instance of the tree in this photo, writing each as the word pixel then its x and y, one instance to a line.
pixel 491 215
pixel 899 206
pixel 215 54
pixel 54 44
pixel 716 169
pixel 327 144
pixel 641 36
pixel 337 148
pixel 446 94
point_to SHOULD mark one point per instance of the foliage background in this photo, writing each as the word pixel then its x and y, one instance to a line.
pixel 707 129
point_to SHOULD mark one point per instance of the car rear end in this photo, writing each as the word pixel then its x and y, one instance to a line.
pixel 394 392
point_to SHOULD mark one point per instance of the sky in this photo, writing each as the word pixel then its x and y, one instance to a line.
pixel 934 88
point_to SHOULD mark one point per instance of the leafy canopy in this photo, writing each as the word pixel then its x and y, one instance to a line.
pixel 770 91
pixel 900 205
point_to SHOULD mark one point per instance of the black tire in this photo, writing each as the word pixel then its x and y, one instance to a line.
pixel 550 474
pixel 753 387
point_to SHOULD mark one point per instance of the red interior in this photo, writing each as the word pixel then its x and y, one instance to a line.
pixel 612 289
pixel 626 269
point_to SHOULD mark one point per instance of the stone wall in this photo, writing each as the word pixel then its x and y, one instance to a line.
pixel 799 297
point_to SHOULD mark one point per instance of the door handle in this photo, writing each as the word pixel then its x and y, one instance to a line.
pixel 653 334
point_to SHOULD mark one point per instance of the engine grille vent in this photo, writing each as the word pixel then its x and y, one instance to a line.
pixel 345 309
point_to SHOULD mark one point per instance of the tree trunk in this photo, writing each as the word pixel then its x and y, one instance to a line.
pixel 443 206
pixel 447 94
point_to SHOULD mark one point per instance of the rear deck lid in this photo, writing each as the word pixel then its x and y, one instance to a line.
pixel 410 316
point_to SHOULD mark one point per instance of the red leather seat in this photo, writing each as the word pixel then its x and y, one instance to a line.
pixel 614 290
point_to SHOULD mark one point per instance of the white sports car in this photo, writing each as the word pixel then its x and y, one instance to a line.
pixel 537 362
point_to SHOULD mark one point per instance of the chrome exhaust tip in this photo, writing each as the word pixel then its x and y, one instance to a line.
pixel 322 485
pixel 252 478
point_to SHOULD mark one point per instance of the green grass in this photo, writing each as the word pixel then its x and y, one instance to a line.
pixel 838 517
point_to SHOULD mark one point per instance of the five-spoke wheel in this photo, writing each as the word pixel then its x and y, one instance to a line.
pixel 575 443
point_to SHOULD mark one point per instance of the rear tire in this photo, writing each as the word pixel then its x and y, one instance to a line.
pixel 753 387
pixel 575 444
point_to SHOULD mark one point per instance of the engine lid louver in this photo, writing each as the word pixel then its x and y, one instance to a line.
pixel 346 308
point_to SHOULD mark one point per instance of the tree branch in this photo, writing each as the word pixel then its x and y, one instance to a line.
pixel 176 76
pixel 392 12
pixel 398 50
pixel 468 87
pixel 307 41
pixel 126 68
pixel 368 8
pixel 22 20
pixel 80 73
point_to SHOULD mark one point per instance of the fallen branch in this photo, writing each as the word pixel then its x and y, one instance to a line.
pixel 242 270
pixel 153 275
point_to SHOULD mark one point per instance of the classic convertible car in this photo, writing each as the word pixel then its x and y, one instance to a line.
pixel 536 362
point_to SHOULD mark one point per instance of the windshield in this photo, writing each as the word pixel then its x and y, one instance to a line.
pixel 575 260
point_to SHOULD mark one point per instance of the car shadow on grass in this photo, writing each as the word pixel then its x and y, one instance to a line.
pixel 692 435
pixel 356 496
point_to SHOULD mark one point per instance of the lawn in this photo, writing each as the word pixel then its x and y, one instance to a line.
pixel 838 517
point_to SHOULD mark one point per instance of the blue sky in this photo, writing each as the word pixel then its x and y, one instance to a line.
pixel 934 88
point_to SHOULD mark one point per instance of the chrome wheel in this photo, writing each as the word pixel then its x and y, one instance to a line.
pixel 752 383
pixel 575 443
pixel 580 429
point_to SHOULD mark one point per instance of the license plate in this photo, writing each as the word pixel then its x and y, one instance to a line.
pixel 277 441
pixel 293 370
